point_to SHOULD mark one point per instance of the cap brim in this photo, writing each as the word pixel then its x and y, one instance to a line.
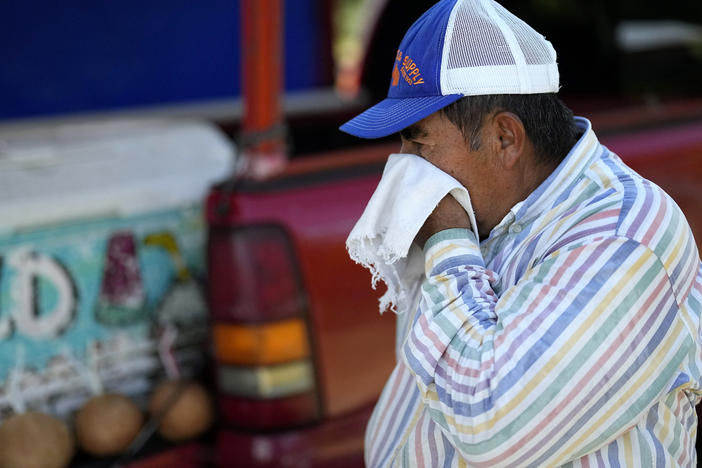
pixel 393 114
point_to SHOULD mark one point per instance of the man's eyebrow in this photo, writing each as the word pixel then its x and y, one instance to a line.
pixel 412 132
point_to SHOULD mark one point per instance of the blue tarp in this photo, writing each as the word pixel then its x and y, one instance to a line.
pixel 85 55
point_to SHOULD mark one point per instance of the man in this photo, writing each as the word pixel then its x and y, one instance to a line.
pixel 568 334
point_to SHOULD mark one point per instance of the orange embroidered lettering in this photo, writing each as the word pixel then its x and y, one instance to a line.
pixel 405 76
pixel 409 70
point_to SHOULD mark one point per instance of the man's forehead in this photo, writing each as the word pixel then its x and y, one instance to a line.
pixel 427 127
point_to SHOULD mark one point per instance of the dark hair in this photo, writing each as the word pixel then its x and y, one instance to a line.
pixel 548 122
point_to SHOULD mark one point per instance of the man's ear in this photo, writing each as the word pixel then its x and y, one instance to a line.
pixel 510 138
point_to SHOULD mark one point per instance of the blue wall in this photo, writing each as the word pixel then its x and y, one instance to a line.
pixel 59 57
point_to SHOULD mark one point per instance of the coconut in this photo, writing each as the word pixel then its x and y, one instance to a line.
pixel 35 440
pixel 107 424
pixel 187 406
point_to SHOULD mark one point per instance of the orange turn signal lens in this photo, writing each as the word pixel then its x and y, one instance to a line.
pixel 261 344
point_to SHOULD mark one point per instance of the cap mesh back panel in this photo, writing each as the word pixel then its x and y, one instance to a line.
pixel 488 50
pixel 530 41
pixel 480 43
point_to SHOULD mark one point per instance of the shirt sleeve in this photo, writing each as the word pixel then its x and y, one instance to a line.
pixel 556 366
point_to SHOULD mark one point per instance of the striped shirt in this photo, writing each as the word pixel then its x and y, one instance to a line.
pixel 569 337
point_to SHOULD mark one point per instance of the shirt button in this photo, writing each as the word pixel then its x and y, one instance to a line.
pixel 515 228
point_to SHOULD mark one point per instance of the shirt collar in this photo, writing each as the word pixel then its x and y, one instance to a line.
pixel 558 183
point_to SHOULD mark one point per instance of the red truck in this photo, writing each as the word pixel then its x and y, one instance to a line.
pixel 300 352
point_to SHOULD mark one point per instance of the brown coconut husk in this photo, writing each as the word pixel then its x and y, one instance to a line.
pixel 35 440
pixel 184 409
pixel 107 424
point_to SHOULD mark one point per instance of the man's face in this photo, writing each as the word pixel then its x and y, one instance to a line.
pixel 441 143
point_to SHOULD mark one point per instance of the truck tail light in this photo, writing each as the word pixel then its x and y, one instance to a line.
pixel 260 331
pixel 270 343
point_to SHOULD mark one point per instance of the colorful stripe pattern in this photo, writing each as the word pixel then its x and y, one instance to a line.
pixel 570 337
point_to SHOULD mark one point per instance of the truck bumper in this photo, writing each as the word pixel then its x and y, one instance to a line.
pixel 334 443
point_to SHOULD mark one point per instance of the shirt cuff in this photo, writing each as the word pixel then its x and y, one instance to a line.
pixel 451 248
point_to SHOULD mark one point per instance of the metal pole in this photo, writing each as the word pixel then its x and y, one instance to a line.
pixel 263 132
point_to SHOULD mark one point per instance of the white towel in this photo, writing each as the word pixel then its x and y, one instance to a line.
pixel 381 240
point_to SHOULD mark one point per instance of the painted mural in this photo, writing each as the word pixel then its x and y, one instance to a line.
pixel 100 305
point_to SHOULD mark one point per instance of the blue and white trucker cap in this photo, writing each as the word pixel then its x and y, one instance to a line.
pixel 459 48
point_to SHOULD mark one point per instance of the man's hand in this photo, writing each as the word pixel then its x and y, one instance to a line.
pixel 447 214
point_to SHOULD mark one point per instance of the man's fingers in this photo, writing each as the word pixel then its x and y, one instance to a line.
pixel 447 214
